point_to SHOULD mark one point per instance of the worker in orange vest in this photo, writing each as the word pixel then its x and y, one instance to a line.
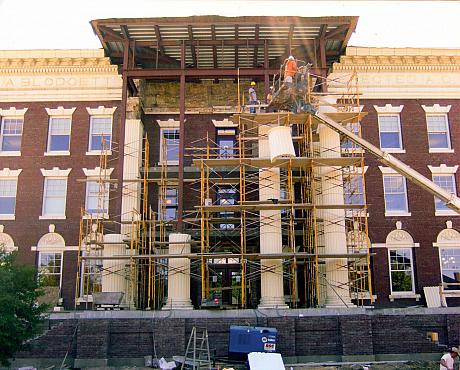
pixel 290 70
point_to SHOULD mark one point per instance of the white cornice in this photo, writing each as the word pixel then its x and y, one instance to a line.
pixel 224 123
pixel 388 170
pixel 388 108
pixel 97 171
pixel 436 108
pixel 170 123
pixel 13 112
pixel 60 111
pixel 443 169
pixel 6 172
pixel 101 111
pixel 55 172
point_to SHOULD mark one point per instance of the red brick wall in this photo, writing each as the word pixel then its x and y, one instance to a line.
pixel 27 229
pixel 422 224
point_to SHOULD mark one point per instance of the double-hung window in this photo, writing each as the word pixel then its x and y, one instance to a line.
pixel 169 146
pixel 226 142
pixel 11 134
pixel 97 197
pixel 353 189
pixel 100 134
pixel 49 268
pixel 401 271
pixel 168 205
pixel 347 145
pixel 390 132
pixel 450 267
pixel 54 197
pixel 395 192
pixel 438 132
pixel 59 135
pixel 226 197
pixel 8 187
pixel 447 182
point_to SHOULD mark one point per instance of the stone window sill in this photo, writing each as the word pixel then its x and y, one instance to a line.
pixel 7 217
pixel 10 154
pixel 446 213
pixel 169 163
pixel 404 296
pixel 49 217
pixel 98 152
pixel 438 150
pixel 105 216
pixel 397 214
pixel 394 151
pixel 57 153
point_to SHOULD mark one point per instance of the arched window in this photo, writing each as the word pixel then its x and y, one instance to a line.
pixel 50 250
pixel 448 242
pixel 6 241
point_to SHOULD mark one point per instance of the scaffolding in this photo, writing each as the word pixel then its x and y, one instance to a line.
pixel 225 223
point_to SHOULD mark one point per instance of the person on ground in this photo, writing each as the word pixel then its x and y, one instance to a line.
pixel 447 361
pixel 252 97
pixel 290 69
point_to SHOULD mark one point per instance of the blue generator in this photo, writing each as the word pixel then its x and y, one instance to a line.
pixel 246 339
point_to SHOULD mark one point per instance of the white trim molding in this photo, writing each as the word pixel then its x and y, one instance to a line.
pixel 101 111
pixel 436 108
pixel 55 172
pixel 97 171
pixel 13 112
pixel 448 237
pixel 6 241
pixel 389 109
pixel 443 169
pixel 170 123
pixel 6 172
pixel 50 242
pixel 224 123
pixel 388 171
pixel 60 111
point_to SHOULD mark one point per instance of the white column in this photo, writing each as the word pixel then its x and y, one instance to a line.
pixel 179 274
pixel 113 274
pixel 271 275
pixel 335 238
pixel 131 164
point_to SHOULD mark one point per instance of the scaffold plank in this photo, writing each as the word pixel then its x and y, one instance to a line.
pixel 298 162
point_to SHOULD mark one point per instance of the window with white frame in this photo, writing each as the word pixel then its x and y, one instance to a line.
pixel 91 277
pixel 54 197
pixel 450 267
pixel 401 270
pixel 169 146
pixel 395 193
pixel 11 134
pixel 226 196
pixel 390 131
pixel 50 268
pixel 438 131
pixel 168 206
pixel 59 134
pixel 447 182
pixel 226 141
pixel 353 189
pixel 97 197
pixel 347 144
pixel 8 188
pixel 100 136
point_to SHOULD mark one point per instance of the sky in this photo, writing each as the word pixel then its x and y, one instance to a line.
pixel 64 24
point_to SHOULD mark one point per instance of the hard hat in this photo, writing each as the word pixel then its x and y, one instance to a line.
pixel 291 57
pixel 253 83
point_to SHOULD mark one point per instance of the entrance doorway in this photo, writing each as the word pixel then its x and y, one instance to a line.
pixel 225 284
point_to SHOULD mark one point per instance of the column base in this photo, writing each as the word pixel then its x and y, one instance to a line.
pixel 337 303
pixel 272 303
pixel 178 305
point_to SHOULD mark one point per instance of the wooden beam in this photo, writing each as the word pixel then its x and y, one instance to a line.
pixel 338 33
pixel 256 47
pixel 236 46
pixel 108 31
pixel 159 40
pixel 180 188
pixel 229 42
pixel 214 48
pixel 190 36
pixel 290 36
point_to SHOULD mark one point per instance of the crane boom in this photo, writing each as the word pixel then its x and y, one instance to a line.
pixel 452 201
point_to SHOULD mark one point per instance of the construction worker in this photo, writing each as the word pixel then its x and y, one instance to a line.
pixel 290 69
pixel 252 97
pixel 447 361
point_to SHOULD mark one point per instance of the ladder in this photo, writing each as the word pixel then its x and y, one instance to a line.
pixel 197 355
